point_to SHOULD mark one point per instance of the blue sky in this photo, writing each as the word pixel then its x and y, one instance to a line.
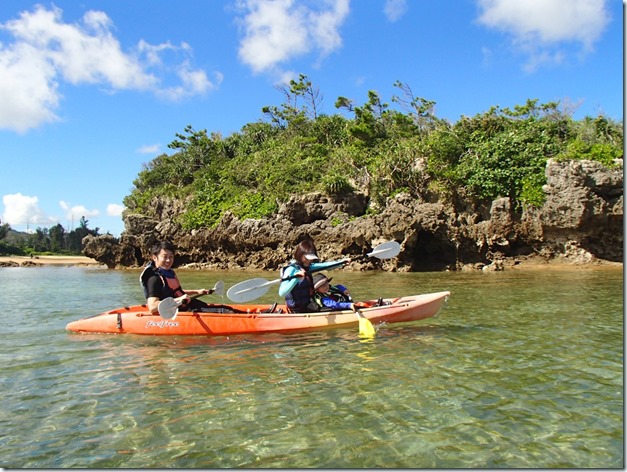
pixel 92 90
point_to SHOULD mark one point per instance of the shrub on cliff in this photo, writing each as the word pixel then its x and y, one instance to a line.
pixel 380 151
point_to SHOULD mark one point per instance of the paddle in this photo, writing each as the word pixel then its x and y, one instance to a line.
pixel 169 308
pixel 254 288
pixel 366 328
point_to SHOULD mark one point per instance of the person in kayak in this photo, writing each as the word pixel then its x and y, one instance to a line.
pixel 297 284
pixel 331 297
pixel 159 281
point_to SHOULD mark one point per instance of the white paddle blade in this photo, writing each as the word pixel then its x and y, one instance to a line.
pixel 249 290
pixel 386 250
pixel 168 308
pixel 218 288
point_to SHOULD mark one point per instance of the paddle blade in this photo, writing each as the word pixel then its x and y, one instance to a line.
pixel 218 288
pixel 248 290
pixel 386 250
pixel 366 328
pixel 168 308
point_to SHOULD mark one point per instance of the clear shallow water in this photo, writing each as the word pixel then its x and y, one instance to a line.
pixel 521 369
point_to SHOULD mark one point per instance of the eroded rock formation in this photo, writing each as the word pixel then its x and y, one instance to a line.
pixel 581 222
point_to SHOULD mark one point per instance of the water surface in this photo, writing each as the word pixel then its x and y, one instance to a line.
pixel 522 369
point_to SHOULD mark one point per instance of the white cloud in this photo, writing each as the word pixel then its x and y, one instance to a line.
pixel 113 209
pixel 276 31
pixel 46 52
pixel 149 149
pixel 73 214
pixel 153 52
pixel 28 91
pixel 540 28
pixel 395 9
pixel 193 82
pixel 21 210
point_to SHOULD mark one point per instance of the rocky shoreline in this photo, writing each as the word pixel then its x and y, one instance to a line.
pixel 581 223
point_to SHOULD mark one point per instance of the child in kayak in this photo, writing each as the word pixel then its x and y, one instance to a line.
pixel 331 297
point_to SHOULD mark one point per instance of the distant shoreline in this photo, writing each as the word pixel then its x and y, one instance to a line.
pixel 37 261
pixel 83 261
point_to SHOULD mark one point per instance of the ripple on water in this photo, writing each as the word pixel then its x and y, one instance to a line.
pixel 517 372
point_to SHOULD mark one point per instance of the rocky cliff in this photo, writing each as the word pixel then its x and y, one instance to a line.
pixel 581 222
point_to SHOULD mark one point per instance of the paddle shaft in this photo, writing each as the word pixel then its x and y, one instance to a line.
pixel 266 284
pixel 219 285
pixel 255 288
pixel 332 266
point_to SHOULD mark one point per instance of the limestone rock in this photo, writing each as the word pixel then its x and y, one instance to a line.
pixel 581 222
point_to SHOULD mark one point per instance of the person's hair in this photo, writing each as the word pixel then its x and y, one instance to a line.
pixel 306 246
pixel 167 245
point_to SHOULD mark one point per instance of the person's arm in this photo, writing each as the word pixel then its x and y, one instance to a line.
pixel 318 266
pixel 333 305
pixel 197 292
pixel 153 305
pixel 342 289
pixel 287 285
pixel 155 294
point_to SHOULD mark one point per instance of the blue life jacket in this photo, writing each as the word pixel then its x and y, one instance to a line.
pixel 300 300
pixel 335 293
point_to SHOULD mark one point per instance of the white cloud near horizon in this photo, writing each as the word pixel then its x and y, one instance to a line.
pixel 395 9
pixel 21 210
pixel 114 209
pixel 47 52
pixel 276 31
pixel 540 29
pixel 73 214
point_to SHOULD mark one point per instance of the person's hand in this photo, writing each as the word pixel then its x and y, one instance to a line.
pixel 183 299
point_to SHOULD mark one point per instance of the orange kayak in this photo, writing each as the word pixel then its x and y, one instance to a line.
pixel 230 319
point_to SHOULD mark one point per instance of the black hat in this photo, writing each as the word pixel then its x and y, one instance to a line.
pixel 320 280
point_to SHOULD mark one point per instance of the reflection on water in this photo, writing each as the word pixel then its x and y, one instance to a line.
pixel 520 370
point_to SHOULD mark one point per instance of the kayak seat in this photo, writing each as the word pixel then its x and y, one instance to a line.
pixel 271 309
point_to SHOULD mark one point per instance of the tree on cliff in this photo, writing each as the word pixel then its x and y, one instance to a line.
pixel 381 150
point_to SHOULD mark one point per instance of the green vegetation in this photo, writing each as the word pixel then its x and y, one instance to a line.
pixel 53 240
pixel 376 148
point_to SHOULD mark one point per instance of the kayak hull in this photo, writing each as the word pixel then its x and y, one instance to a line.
pixel 234 319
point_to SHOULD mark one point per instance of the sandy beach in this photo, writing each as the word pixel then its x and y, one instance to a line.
pixel 25 261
